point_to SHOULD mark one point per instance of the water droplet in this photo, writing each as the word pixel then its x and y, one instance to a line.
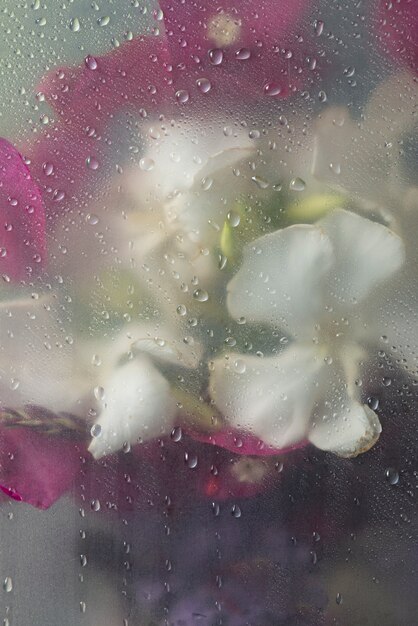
pixel 318 27
pixel 191 460
pixel 48 168
pixel 206 183
pixel 99 393
pixel 92 163
pixel 200 295
pixel 182 96
pixel 322 96
pixel 103 21
pixel 236 511
pixel 387 381
pixel 243 54
pixel 75 24
pixel 311 61
pixel 279 466
pixel 339 598
pixel 216 509
pixel 95 505
pixel 240 366
pixel 176 434
pixel 204 84
pixel 392 476
pixel 272 89
pixel 126 447
pixel 92 219
pixel 233 218
pixel 8 584
pixel 90 62
pixel 297 184
pixel 96 360
pixel 96 430
pixel 216 56
pixel 373 403
pixel 261 183
pixel 83 560
pixel 181 310
pixel 146 164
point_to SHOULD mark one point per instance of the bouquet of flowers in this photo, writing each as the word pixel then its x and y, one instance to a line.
pixel 207 268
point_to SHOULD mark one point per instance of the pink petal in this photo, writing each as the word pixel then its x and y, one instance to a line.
pixel 22 222
pixel 36 468
pixel 242 443
pixel 176 471
pixel 244 49
pixel 91 104
pixel 398 30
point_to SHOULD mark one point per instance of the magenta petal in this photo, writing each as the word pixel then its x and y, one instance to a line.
pixel 398 30
pixel 242 443
pixel 177 472
pixel 22 222
pixel 243 48
pixel 35 468
pixel 91 104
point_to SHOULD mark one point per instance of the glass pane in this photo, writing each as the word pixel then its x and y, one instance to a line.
pixel 209 307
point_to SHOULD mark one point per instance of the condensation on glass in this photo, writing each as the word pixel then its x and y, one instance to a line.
pixel 208 313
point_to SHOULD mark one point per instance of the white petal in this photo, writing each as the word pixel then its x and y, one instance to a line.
pixel 271 397
pixel 175 157
pixel 345 427
pixel 162 341
pixel 137 403
pixel 366 254
pixel 281 279
pixel 168 348
pixel 340 422
pixel 199 212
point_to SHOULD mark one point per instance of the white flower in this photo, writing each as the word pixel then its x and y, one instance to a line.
pixel 118 377
pixel 175 210
pixel 137 403
pixel 135 400
pixel 314 282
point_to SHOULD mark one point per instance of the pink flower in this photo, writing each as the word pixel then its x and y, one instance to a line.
pixel 68 158
pixel 22 227
pixel 234 50
pixel 398 29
